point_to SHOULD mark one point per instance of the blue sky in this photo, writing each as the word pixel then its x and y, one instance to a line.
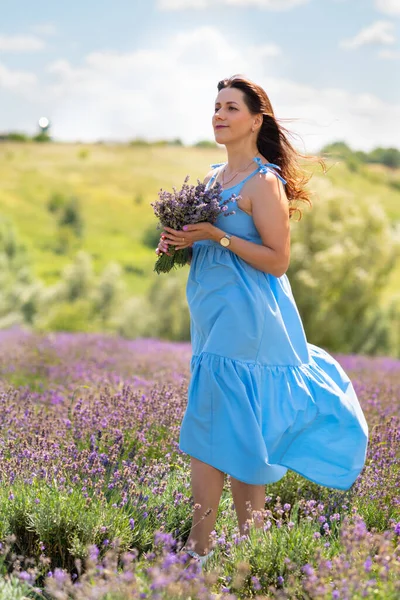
pixel 115 70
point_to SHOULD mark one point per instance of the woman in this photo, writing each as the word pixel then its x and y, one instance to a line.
pixel 261 399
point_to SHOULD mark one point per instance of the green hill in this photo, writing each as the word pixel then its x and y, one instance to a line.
pixel 114 186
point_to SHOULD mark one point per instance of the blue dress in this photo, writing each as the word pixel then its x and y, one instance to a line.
pixel 261 399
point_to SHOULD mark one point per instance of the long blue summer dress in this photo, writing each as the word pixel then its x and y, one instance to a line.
pixel 261 399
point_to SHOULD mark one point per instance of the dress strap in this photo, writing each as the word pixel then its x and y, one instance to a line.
pixel 214 166
pixel 264 168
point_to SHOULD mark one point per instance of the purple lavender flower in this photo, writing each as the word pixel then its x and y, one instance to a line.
pixel 191 204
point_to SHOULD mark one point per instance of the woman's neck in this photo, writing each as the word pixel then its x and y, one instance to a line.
pixel 239 158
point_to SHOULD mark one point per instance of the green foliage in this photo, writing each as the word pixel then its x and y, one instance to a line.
pixel 70 215
pixel 108 292
pixel 353 163
pixel 336 149
pixel 66 523
pixel 77 278
pixel 14 589
pixel 361 155
pixel 82 301
pixel 386 156
pixel 15 136
pixel 136 269
pixel 265 552
pixel 20 291
pixel 374 515
pixel 293 486
pixel 42 136
pixel 151 236
pixel 162 314
pixel 69 221
pixel 67 316
pixel 83 153
pixel 173 142
pixel 389 157
pixel 55 202
pixel 139 142
pixel 205 144
pixel 138 199
pixel 395 183
pixel 342 254
pixel 66 241
pixel 116 223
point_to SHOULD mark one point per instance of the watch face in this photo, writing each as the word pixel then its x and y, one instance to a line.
pixel 224 241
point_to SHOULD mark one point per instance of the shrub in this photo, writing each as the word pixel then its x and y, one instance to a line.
pixel 341 255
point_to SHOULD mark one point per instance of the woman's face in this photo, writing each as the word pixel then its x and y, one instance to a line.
pixel 231 112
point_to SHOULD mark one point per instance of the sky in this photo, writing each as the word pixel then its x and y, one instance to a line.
pixel 115 70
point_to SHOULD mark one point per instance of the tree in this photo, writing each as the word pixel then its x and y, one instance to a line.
pixel 341 254
pixel 20 292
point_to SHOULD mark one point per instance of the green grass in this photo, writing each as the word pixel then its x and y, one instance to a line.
pixel 108 182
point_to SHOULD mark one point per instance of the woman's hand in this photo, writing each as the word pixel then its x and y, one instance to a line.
pixel 190 233
pixel 162 246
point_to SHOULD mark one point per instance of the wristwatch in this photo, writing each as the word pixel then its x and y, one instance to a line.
pixel 226 240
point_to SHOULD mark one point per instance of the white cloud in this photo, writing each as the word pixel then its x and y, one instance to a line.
pixel 329 114
pixel 159 93
pixel 151 92
pixel 19 81
pixel 276 5
pixel 388 7
pixel 380 32
pixel 20 43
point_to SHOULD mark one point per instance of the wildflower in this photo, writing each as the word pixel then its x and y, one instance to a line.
pixel 94 552
pixel 308 569
pixel 368 564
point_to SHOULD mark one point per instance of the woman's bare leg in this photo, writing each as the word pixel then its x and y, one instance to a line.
pixel 207 485
pixel 243 493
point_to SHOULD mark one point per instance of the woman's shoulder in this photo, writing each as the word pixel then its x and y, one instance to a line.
pixel 211 173
pixel 208 176
pixel 262 160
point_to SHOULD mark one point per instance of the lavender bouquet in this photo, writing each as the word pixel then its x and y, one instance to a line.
pixel 191 204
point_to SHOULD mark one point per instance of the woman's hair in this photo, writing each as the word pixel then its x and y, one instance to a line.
pixel 273 143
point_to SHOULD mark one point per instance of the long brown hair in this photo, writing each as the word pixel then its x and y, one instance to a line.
pixel 273 142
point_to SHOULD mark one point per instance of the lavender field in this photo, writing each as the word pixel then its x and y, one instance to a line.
pixel 96 499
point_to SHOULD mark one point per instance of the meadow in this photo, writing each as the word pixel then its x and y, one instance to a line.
pixel 95 493
pixel 96 499
pixel 115 184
